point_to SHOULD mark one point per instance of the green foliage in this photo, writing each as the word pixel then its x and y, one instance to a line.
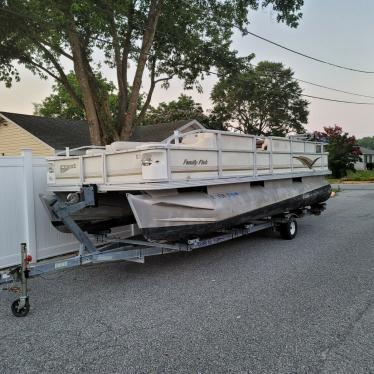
pixel 359 176
pixel 367 142
pixel 260 100
pixel 191 38
pixel 182 108
pixel 343 151
pixel 61 105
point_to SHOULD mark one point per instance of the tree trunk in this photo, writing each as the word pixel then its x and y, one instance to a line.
pixel 101 101
pixel 122 67
pixel 84 83
pixel 149 33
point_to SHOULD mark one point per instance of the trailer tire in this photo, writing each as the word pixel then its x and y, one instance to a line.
pixel 20 312
pixel 288 230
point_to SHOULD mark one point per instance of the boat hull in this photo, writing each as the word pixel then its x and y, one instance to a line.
pixel 185 213
pixel 112 210
pixel 178 215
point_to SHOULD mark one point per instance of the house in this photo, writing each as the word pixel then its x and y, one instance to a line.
pixel 47 136
pixel 367 157
pixel 161 131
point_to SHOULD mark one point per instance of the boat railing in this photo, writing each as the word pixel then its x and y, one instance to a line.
pixel 78 150
pixel 194 155
pixel 308 148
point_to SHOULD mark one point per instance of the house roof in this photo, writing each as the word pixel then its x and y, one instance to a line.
pixel 366 151
pixel 56 132
pixel 60 133
pixel 160 131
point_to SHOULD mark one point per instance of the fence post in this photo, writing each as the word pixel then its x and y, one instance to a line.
pixel 29 206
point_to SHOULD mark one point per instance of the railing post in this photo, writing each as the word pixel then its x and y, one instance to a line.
pixel 104 171
pixel 291 155
pixel 219 154
pixel 81 167
pixel 168 161
pixel 29 206
pixel 254 156
pixel 271 155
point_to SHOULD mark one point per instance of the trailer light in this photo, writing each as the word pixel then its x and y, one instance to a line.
pixel 28 258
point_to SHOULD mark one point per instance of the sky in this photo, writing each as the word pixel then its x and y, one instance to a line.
pixel 338 31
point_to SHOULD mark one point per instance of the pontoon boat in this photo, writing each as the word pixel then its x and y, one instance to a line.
pixel 191 184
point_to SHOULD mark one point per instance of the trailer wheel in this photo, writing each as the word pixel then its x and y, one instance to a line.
pixel 20 312
pixel 288 230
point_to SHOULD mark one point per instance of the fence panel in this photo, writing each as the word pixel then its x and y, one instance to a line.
pixel 22 215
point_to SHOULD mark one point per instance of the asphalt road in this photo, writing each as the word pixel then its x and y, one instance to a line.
pixel 254 305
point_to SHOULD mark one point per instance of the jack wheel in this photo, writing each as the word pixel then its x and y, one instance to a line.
pixel 288 230
pixel 20 312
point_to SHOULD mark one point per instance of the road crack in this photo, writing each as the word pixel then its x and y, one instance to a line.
pixel 341 338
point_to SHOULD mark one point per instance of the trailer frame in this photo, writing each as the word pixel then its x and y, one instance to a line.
pixel 111 249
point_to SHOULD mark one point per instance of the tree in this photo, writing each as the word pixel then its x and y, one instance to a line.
pixel 61 104
pixel 167 38
pixel 260 100
pixel 367 142
pixel 342 148
pixel 182 108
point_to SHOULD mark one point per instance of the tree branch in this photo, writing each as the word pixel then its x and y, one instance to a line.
pixel 122 94
pixel 63 81
pixel 35 37
pixel 58 50
pixel 63 78
pixel 164 79
pixel 40 67
pixel 125 55
pixel 150 91
pixel 148 36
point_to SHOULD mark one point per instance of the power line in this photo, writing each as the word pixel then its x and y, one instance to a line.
pixel 323 98
pixel 322 86
pixel 310 57
pixel 338 101
pixel 333 89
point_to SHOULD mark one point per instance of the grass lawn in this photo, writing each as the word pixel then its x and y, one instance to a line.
pixel 358 176
pixel 333 180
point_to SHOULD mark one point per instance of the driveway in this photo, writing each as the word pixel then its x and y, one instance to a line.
pixel 254 305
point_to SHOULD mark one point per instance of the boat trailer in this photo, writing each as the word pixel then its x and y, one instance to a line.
pixel 107 248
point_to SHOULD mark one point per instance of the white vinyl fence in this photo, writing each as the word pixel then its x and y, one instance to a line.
pixel 22 215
